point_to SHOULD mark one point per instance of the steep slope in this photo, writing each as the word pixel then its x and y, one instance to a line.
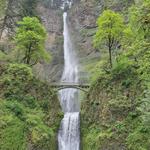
pixel 83 15
pixel 50 14
pixel 51 17
pixel 115 112
pixel 30 112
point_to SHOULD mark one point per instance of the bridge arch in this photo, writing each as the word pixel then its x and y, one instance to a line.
pixel 64 85
pixel 72 87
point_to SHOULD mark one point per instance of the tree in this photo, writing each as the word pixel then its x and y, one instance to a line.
pixel 30 40
pixel 110 31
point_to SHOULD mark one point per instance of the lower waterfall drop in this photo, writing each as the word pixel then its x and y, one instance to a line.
pixel 69 132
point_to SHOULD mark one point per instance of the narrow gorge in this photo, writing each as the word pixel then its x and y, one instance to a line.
pixel 74 74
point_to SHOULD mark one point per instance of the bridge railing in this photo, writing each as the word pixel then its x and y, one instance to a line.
pixel 65 85
pixel 69 83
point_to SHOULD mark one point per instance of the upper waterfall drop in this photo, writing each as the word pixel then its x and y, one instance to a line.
pixel 69 97
pixel 69 132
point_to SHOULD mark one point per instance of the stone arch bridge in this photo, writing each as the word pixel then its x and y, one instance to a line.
pixel 66 85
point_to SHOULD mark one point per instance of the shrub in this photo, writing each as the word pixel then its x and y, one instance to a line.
pixel 14 79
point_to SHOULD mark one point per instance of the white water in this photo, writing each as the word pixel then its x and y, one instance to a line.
pixel 69 133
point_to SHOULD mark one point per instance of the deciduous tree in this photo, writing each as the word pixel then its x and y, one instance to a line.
pixel 30 40
pixel 110 31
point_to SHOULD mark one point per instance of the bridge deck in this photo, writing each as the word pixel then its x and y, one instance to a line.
pixel 65 85
pixel 69 84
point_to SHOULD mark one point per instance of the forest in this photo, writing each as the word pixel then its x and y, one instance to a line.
pixel 104 44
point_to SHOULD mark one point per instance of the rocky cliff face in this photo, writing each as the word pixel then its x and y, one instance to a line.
pixel 82 19
pixel 10 13
pixel 51 17
pixel 83 22
pixel 83 16
pixel 50 14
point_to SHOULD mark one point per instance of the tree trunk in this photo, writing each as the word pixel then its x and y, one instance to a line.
pixel 110 56
pixel 110 43
pixel 29 54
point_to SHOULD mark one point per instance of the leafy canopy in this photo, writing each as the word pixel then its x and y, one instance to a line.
pixel 110 24
pixel 110 31
pixel 30 40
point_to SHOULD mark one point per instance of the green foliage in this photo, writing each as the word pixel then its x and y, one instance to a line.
pixel 140 18
pixel 140 136
pixel 123 68
pixel 30 41
pixel 109 24
pixel 97 70
pixel 19 72
pixel 2 6
pixel 18 122
pixel 2 55
pixel 14 79
pixel 16 108
pixel 12 129
pixel 142 130
pixel 13 136
pixel 28 113
pixel 110 31
pixel 118 100
pixel 89 143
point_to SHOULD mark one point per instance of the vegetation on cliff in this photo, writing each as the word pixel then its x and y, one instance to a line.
pixel 28 116
pixel 30 40
pixel 110 31
pixel 12 11
pixel 30 112
pixel 115 114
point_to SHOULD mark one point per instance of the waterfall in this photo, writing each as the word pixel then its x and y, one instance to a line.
pixel 69 133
